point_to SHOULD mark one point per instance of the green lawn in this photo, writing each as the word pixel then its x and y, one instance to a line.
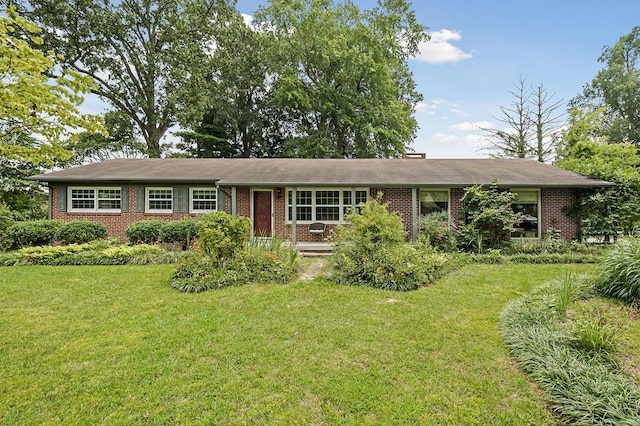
pixel 117 345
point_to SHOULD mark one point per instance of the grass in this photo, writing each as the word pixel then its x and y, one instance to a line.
pixel 117 345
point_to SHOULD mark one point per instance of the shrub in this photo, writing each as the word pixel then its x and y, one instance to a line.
pixel 144 231
pixel 490 214
pixel 272 262
pixel 221 235
pixel 6 220
pixel 178 231
pixel 371 251
pixel 436 232
pixel 80 232
pixel 620 271
pixel 33 233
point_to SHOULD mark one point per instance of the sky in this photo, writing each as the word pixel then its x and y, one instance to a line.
pixel 480 48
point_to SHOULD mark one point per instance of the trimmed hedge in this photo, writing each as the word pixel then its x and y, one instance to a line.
pixel 80 232
pixel 182 231
pixel 144 231
pixel 33 233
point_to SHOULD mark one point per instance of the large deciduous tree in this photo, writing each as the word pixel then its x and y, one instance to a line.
pixel 529 124
pixel 617 88
pixel 340 80
pixel 36 113
pixel 149 58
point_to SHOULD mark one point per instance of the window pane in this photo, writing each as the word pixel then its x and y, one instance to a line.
pixel 529 226
pixel 204 205
pixel 526 196
pixel 328 198
pixel 82 204
pixel 108 204
pixel 433 201
pixel 82 193
pixel 109 193
pixel 327 213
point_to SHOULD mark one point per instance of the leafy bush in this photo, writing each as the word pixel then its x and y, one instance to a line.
pixel 371 251
pixel 221 235
pixel 271 262
pixel 490 217
pixel 6 220
pixel 33 233
pixel 178 231
pixel 436 232
pixel 79 232
pixel 583 386
pixel 620 271
pixel 144 231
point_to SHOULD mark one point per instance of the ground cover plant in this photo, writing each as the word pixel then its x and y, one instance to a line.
pixel 571 358
pixel 99 252
pixel 118 345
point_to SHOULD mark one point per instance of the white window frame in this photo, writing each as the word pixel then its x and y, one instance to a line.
pixel 192 209
pixel 96 200
pixel 341 206
pixel 147 200
pixel 427 188
pixel 539 192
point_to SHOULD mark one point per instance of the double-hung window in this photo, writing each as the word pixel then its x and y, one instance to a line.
pixel 203 200
pixel 86 199
pixel 159 200
pixel 323 204
pixel 527 203
pixel 434 201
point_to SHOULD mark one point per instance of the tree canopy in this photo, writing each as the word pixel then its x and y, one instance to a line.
pixel 340 78
pixel 616 88
pixel 148 58
pixel 36 113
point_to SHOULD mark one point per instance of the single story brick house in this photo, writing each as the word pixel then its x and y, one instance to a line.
pixel 298 199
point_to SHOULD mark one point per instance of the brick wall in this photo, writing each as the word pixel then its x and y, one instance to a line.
pixel 116 223
pixel 553 201
pixel 455 207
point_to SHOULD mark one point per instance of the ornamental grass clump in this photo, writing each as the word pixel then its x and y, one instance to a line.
pixel 571 360
pixel 620 272
pixel 371 251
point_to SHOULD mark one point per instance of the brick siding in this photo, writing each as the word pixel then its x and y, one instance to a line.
pixel 553 201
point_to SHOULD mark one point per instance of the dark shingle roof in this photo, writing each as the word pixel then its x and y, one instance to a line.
pixel 319 172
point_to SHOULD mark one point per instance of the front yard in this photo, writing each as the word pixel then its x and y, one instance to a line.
pixel 117 345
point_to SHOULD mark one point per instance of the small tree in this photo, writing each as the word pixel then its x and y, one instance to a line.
pixel 221 235
pixel 490 216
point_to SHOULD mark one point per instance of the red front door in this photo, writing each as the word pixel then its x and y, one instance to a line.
pixel 262 213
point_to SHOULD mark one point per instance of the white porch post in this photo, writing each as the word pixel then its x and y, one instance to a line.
pixel 294 215
pixel 414 214
pixel 234 200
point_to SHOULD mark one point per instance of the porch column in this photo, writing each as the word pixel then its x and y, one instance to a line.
pixel 234 201
pixel 294 214
pixel 414 214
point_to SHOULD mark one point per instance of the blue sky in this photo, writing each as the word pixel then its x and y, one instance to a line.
pixel 479 49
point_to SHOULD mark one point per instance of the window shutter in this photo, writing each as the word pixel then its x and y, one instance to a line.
pixel 62 198
pixel 139 199
pixel 180 199
pixel 124 199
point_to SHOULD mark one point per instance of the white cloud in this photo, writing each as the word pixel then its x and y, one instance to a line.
pixel 471 127
pixel 439 49
pixel 248 19
pixel 459 112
